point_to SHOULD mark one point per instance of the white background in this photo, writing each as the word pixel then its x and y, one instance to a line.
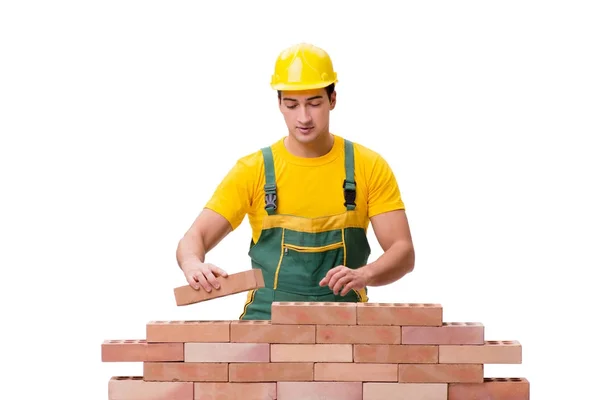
pixel 119 118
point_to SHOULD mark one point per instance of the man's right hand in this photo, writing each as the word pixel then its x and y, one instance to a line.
pixel 199 274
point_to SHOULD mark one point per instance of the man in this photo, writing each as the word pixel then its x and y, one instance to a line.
pixel 309 198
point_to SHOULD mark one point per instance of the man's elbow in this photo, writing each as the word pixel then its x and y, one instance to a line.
pixel 409 260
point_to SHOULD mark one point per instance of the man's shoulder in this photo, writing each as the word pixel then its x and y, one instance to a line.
pixel 255 158
pixel 365 154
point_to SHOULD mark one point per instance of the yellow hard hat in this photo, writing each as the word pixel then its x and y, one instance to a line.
pixel 301 67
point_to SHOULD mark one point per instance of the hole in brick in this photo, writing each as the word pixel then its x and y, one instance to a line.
pixel 493 342
pixel 515 379
pixel 508 342
pixel 471 323
pixel 130 341
pixel 502 379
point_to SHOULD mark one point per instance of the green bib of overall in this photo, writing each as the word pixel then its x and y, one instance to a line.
pixel 295 253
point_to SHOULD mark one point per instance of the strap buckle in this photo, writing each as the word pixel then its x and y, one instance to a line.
pixel 270 197
pixel 349 193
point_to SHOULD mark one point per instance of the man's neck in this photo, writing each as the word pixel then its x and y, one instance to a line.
pixel 317 148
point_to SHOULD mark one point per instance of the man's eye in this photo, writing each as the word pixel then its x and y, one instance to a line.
pixel 315 104
pixel 291 107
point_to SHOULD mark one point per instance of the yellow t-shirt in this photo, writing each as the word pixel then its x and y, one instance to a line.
pixel 307 187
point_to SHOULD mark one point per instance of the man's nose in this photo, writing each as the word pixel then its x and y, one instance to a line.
pixel 304 116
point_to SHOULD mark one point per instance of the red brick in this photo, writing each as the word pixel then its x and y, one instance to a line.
pixel 320 391
pixel 421 314
pixel 440 373
pixel 185 371
pixel 270 372
pixel 226 352
pixel 395 353
pixel 353 372
pixel 232 284
pixel 311 353
pixel 135 388
pixel 187 331
pixel 492 389
pixel 448 333
pixel 248 331
pixel 133 350
pixel 124 350
pixel 491 352
pixel 235 390
pixel 404 391
pixel 359 334
pixel 313 313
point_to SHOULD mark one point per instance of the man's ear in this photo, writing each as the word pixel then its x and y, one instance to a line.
pixel 332 101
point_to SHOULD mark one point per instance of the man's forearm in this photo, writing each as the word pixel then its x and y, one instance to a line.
pixel 190 248
pixel 393 264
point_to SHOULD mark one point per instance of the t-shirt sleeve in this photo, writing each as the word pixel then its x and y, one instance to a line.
pixel 384 192
pixel 233 196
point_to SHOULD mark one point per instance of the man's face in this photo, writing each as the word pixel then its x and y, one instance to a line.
pixel 306 113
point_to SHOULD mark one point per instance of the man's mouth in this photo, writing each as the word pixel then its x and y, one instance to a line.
pixel 305 129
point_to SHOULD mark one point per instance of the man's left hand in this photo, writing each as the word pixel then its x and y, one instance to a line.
pixel 345 279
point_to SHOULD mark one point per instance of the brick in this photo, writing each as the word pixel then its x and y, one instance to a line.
pixel 404 391
pixel 491 388
pixel 135 388
pixel 319 391
pixel 313 313
pixel 353 372
pixel 395 353
pixel 226 352
pixel 235 390
pixel 187 331
pixel 134 350
pixel 270 372
pixel 232 284
pixel 248 331
pixel 185 371
pixel 403 314
pixel 359 334
pixel 448 333
pixel 491 352
pixel 440 373
pixel 311 353
pixel 130 350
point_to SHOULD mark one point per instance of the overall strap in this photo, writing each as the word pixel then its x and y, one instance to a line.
pixel 270 188
pixel 349 183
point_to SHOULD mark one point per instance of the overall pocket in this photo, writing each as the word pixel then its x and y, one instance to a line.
pixel 302 267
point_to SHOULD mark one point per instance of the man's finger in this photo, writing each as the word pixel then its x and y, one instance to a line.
pixel 212 279
pixel 327 278
pixel 348 288
pixel 203 282
pixel 193 282
pixel 338 275
pixel 218 271
pixel 342 282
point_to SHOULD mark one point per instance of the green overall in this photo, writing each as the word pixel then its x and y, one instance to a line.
pixel 295 253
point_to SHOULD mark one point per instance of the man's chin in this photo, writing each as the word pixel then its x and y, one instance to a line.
pixel 306 136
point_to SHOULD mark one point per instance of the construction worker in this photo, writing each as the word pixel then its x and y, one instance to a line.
pixel 309 197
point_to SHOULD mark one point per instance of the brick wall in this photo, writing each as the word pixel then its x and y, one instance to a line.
pixel 315 351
